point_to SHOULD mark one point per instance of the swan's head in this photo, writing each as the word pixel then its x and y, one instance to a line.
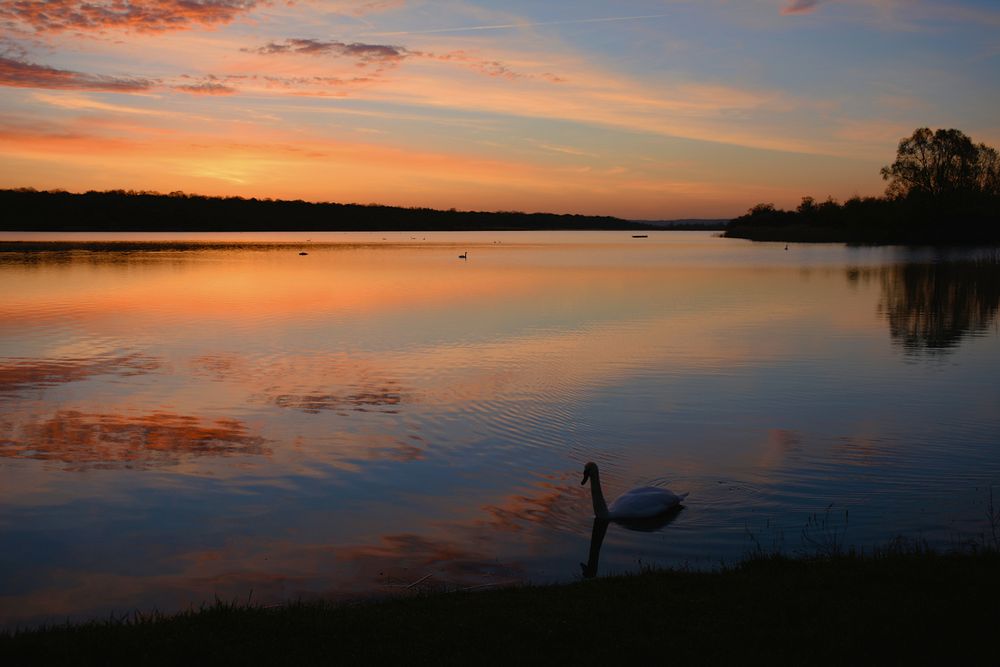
pixel 588 470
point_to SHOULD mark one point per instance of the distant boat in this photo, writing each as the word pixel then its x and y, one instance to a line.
pixel 640 236
pixel 303 253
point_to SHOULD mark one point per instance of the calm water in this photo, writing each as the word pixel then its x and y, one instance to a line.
pixel 182 424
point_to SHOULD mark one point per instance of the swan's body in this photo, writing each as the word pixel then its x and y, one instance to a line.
pixel 641 503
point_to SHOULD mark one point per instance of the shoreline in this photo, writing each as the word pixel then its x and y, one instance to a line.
pixel 912 605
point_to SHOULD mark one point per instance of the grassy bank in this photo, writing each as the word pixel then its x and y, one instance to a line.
pixel 914 608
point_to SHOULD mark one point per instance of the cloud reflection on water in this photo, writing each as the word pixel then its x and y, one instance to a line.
pixel 83 441
pixel 376 399
pixel 32 374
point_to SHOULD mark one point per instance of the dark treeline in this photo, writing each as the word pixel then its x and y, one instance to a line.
pixel 121 210
pixel 942 188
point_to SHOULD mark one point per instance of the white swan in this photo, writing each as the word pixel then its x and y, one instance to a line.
pixel 641 503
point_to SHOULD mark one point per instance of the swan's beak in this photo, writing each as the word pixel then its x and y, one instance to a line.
pixel 586 476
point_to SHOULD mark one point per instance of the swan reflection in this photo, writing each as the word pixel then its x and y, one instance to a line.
pixel 600 529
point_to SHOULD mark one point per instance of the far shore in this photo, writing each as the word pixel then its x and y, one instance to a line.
pixel 29 210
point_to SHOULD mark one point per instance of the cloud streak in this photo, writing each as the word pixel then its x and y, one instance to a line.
pixel 385 55
pixel 138 15
pixel 22 74
pixel 523 24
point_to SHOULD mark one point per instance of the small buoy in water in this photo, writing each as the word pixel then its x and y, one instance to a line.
pixel 303 253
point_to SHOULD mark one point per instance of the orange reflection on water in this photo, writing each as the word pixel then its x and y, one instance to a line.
pixel 111 440
pixel 261 286
pixel 19 374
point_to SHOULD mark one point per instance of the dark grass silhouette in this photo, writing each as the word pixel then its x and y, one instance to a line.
pixel 911 606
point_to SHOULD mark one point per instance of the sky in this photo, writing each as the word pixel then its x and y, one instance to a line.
pixel 641 109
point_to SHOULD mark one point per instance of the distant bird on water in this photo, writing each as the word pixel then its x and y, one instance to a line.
pixel 464 255
pixel 303 253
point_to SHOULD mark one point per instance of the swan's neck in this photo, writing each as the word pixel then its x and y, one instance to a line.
pixel 597 495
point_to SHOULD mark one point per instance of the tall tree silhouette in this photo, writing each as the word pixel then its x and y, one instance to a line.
pixel 942 163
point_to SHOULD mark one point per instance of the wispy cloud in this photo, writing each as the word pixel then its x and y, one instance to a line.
pixel 22 74
pixel 78 101
pixel 800 6
pixel 359 8
pixel 521 24
pixel 391 55
pixel 138 15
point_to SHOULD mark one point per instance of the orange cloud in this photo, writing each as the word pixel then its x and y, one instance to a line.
pixel 137 15
pixel 22 74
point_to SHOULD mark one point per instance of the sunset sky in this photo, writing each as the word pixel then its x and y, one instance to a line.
pixel 639 109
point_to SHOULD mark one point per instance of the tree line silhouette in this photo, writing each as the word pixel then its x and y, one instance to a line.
pixel 942 188
pixel 27 209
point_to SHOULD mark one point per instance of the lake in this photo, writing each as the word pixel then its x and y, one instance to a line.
pixel 233 419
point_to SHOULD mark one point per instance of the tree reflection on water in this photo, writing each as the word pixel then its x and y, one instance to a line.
pixel 933 307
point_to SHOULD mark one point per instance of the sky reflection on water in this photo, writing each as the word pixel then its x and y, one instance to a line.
pixel 181 424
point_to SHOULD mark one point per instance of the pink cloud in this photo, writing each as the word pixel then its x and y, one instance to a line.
pixel 138 15
pixel 800 7
pixel 21 74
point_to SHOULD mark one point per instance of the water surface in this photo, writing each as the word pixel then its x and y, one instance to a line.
pixel 237 420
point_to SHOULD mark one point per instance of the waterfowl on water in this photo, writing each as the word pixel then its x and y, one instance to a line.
pixel 464 255
pixel 639 503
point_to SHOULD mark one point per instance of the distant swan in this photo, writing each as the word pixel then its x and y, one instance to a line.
pixel 641 503
pixel 464 255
